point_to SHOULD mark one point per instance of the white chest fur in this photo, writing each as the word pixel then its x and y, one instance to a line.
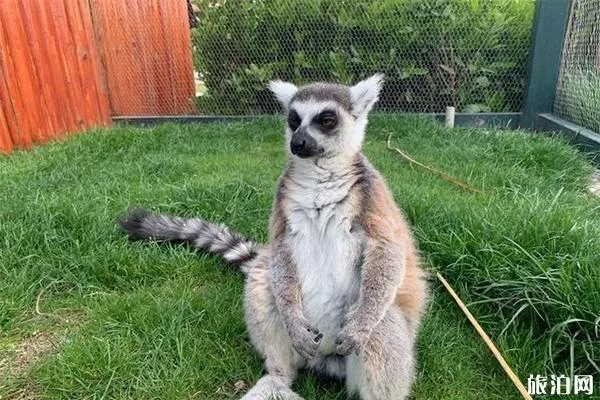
pixel 326 253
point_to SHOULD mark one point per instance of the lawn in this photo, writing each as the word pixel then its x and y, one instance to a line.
pixel 85 313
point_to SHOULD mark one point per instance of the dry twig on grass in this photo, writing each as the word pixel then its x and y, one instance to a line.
pixel 438 173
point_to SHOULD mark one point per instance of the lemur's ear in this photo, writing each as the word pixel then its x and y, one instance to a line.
pixel 365 93
pixel 284 91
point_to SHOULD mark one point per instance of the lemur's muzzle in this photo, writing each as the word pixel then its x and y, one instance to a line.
pixel 303 145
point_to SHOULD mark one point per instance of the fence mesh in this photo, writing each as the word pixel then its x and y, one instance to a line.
pixel 578 90
pixel 217 56
pixel 470 54
pixel 146 55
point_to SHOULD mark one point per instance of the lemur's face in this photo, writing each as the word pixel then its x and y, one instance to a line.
pixel 317 128
pixel 326 120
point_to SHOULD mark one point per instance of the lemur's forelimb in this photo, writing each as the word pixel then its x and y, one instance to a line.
pixel 381 275
pixel 286 289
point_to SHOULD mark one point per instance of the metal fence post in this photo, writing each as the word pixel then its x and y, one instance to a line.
pixel 549 28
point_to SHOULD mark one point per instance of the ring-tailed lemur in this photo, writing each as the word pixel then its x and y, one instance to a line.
pixel 339 288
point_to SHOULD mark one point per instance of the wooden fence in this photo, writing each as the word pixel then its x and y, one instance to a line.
pixel 68 65
pixel 147 55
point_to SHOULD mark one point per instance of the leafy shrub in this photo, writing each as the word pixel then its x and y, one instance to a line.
pixel 467 53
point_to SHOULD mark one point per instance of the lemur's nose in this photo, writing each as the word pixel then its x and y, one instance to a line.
pixel 297 145
pixel 299 140
pixel 303 144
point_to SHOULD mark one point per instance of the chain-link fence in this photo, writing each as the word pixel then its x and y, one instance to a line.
pixel 146 55
pixel 216 57
pixel 578 90
pixel 471 54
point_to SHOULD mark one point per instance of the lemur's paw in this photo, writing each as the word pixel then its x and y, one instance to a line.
pixel 352 338
pixel 305 338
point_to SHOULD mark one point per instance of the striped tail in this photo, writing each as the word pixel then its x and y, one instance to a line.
pixel 202 235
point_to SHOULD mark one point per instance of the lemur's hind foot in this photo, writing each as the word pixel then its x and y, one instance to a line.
pixel 385 368
pixel 270 387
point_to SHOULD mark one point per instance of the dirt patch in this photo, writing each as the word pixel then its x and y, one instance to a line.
pixel 18 354
pixel 27 393
pixel 16 358
pixel 26 352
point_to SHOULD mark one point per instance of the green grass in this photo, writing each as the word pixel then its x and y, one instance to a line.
pixel 140 320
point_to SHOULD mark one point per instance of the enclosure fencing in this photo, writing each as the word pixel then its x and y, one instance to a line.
pixel 578 90
pixel 50 80
pixel 435 53
pixel 146 55
pixel 67 65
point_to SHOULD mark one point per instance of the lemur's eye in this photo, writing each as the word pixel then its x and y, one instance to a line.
pixel 294 120
pixel 327 120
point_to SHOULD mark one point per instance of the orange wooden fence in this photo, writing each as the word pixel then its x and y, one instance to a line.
pixel 147 55
pixel 67 65
pixel 50 82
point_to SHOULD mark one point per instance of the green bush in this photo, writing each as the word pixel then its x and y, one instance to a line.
pixel 467 53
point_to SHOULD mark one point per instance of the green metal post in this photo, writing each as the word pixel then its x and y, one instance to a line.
pixel 549 28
